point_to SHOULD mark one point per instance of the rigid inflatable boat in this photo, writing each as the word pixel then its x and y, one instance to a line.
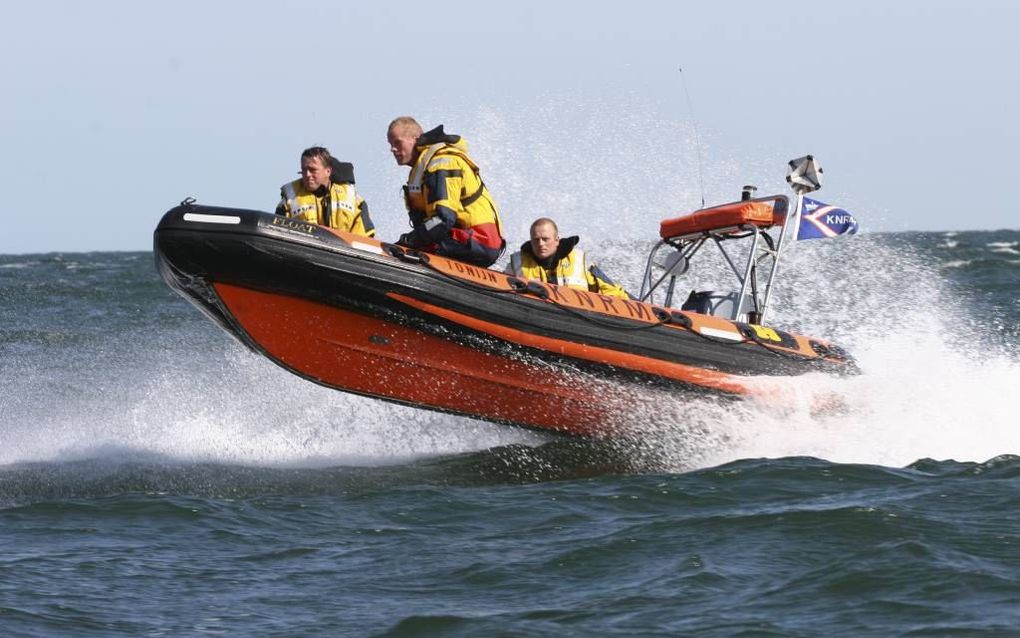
pixel 380 320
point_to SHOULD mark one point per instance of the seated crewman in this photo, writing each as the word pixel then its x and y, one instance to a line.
pixel 325 195
pixel 551 259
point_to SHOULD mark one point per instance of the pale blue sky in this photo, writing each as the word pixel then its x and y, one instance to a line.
pixel 114 111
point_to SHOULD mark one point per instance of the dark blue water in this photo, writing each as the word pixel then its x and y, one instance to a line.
pixel 157 479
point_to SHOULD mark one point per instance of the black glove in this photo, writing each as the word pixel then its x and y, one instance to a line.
pixel 437 228
pixel 408 240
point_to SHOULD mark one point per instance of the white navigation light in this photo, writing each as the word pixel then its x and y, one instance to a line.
pixel 369 248
pixel 805 175
pixel 212 219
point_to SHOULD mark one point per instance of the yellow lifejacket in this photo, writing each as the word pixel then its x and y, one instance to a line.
pixel 414 196
pixel 345 212
pixel 571 270
pixel 467 196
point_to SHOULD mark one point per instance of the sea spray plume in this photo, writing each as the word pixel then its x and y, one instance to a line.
pixel 600 168
pixel 922 391
pixel 302 424
pixel 666 431
pixel 223 404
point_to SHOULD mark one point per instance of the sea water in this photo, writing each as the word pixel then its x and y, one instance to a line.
pixel 156 478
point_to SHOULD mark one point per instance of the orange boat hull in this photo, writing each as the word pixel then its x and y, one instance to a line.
pixel 383 359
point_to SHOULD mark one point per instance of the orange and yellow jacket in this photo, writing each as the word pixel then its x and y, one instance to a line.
pixel 451 211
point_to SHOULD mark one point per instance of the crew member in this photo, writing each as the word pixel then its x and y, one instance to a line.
pixel 451 211
pixel 325 195
pixel 557 261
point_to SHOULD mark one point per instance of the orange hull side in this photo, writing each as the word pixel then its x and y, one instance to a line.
pixel 676 371
pixel 353 352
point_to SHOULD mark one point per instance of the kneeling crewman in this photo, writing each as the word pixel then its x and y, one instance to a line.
pixel 451 211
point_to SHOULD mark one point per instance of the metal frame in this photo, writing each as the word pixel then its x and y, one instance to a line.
pixel 758 258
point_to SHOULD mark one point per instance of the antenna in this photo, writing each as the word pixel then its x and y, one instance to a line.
pixel 697 138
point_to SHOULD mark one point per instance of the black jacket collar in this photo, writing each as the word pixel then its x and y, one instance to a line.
pixel 435 136
pixel 566 245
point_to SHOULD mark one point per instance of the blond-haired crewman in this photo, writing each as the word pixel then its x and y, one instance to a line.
pixel 548 258
pixel 451 211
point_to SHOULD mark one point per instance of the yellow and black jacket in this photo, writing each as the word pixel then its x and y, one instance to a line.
pixel 451 211
pixel 338 206
pixel 568 267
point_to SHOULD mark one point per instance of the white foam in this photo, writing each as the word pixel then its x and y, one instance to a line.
pixel 916 398
pixel 934 381
pixel 241 410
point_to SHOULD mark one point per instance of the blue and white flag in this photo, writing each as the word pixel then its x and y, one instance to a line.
pixel 819 220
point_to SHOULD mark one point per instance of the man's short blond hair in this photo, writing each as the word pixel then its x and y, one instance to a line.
pixel 407 124
pixel 541 221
